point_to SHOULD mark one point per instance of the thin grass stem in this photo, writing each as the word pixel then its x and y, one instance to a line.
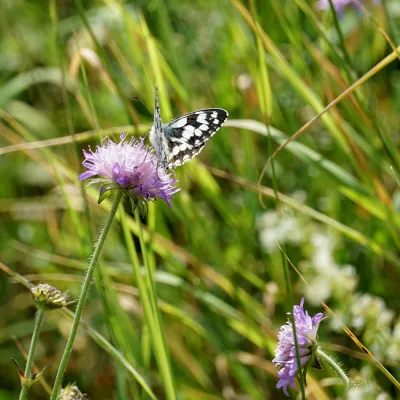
pixel 159 343
pixel 340 35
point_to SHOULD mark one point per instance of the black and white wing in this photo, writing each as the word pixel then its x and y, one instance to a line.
pixel 183 138
pixel 187 135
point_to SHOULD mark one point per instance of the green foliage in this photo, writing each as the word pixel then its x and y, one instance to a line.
pixel 70 75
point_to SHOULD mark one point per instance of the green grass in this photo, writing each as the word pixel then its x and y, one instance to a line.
pixel 70 74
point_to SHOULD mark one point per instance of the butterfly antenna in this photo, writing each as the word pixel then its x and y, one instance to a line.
pixel 144 105
pixel 156 99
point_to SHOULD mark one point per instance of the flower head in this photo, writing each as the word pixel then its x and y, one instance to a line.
pixel 71 392
pixel 129 166
pixel 48 297
pixel 340 5
pixel 285 353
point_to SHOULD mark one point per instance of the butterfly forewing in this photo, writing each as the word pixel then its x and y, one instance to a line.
pixel 157 135
pixel 186 135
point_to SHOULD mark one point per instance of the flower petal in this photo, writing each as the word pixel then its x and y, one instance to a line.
pixel 86 174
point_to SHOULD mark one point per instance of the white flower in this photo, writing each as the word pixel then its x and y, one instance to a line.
pixel 277 228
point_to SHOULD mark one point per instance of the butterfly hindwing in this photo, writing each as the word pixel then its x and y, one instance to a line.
pixel 183 138
pixel 186 135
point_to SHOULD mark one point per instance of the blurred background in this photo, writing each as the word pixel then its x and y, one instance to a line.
pixel 70 74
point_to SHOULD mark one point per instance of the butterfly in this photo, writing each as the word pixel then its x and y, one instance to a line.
pixel 185 137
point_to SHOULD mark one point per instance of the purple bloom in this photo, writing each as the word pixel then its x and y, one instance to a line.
pixel 340 4
pixel 130 166
pixel 285 353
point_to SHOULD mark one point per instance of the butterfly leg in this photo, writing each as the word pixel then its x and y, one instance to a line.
pixel 163 164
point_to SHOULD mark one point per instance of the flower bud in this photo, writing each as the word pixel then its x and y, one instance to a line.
pixel 48 297
pixel 71 392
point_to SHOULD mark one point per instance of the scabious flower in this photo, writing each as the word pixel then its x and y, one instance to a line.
pixel 326 278
pixel 340 5
pixel 277 227
pixel 285 354
pixel 130 166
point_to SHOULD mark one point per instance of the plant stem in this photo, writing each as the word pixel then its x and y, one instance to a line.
pixel 296 344
pixel 84 294
pixel 322 356
pixel 31 355
pixel 153 317
pixel 341 38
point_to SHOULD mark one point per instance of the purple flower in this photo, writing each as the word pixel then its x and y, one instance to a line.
pixel 129 166
pixel 340 4
pixel 285 353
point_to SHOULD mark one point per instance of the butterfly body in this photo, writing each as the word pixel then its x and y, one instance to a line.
pixel 183 138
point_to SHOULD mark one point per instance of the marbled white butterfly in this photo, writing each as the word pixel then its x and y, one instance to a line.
pixel 183 138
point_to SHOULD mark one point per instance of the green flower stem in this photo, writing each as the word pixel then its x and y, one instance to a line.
pixel 290 300
pixel 322 356
pixel 84 294
pixel 341 38
pixel 152 314
pixel 31 355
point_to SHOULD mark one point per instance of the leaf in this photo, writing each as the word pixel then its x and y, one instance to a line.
pixel 105 191
pixel 25 80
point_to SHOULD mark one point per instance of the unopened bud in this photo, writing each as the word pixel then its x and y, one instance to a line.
pixel 48 297
pixel 71 392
